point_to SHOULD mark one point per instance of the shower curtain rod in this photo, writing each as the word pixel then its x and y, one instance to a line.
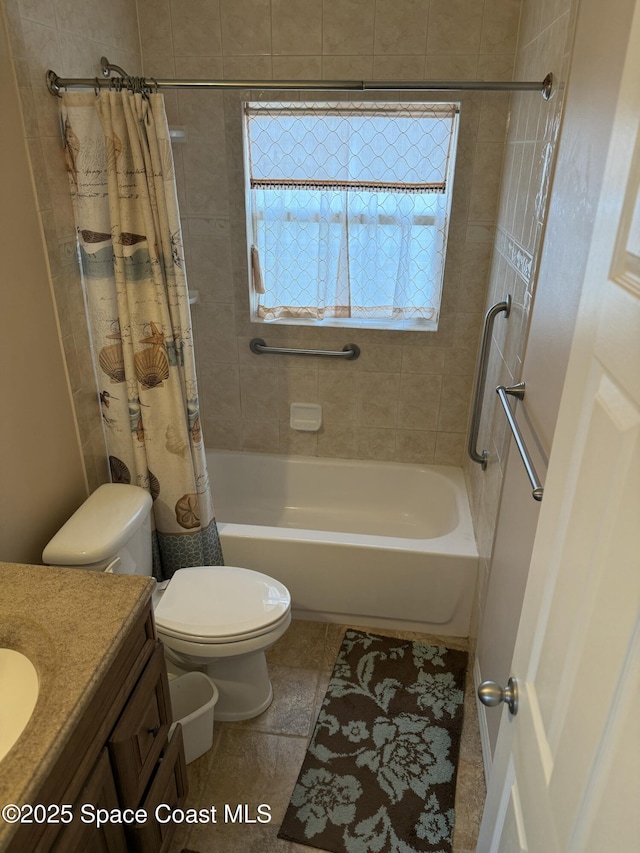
pixel 124 81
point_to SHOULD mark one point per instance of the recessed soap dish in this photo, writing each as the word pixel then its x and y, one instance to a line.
pixel 306 417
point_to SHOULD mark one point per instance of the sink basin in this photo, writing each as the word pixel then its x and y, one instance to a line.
pixel 18 695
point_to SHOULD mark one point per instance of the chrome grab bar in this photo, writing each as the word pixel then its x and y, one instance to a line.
pixel 481 376
pixel 518 391
pixel 349 351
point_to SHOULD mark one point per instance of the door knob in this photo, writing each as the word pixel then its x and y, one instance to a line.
pixel 491 694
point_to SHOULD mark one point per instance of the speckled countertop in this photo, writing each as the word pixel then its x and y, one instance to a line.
pixel 70 623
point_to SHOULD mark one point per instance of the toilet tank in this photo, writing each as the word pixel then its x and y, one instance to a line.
pixel 110 531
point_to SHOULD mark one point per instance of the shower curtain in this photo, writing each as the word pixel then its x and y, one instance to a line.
pixel 121 173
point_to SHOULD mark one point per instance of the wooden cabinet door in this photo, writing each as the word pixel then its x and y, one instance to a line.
pixel 168 787
pixel 141 733
pixel 100 791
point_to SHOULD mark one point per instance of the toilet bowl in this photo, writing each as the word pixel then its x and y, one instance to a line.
pixel 216 619
pixel 221 620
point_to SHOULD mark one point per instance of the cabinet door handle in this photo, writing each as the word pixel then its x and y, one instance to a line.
pixel 154 731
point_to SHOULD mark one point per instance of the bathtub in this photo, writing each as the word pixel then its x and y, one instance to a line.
pixel 376 544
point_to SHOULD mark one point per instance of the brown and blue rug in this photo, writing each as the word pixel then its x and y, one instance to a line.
pixel 380 772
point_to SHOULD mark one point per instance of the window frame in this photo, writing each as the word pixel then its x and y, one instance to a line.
pixel 413 324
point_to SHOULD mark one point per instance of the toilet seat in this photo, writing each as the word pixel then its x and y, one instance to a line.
pixel 210 605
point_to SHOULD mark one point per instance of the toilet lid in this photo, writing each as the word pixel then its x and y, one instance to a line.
pixel 221 603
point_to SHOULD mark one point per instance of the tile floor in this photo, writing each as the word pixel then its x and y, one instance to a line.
pixel 258 761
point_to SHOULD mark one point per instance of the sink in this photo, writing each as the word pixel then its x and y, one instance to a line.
pixel 18 695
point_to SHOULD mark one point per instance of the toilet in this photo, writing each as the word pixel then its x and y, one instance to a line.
pixel 216 619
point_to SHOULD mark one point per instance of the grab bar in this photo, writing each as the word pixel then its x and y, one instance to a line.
pixel 481 376
pixel 349 351
pixel 518 391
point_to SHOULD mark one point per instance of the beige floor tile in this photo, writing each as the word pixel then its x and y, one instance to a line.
pixel 469 803
pixel 301 646
pixel 243 839
pixel 252 768
pixel 294 696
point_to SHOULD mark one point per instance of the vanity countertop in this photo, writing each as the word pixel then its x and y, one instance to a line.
pixel 70 623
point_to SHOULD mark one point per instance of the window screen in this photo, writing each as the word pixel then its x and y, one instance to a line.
pixel 349 206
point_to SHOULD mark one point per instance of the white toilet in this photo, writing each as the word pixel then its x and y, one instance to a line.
pixel 217 619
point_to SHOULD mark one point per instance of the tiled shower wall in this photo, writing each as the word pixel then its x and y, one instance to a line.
pixel 68 36
pixel 407 396
pixel 545 42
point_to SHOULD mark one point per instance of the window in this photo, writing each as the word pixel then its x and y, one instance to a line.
pixel 348 211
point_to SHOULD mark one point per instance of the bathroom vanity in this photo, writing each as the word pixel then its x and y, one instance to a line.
pixel 95 758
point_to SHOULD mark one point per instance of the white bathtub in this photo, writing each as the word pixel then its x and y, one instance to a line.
pixel 377 544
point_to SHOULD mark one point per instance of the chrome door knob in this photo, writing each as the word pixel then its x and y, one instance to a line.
pixel 491 694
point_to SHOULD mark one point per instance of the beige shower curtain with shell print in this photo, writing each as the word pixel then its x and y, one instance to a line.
pixel 121 172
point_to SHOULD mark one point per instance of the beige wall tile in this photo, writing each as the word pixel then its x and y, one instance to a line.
pixel 347 67
pixel 207 191
pixel 199 68
pixel 246 27
pixel 42 45
pixel 296 27
pixel 455 26
pixel 261 436
pixel 419 401
pixel 296 385
pixel 155 17
pixel 493 117
pixel 496 67
pixel 215 334
pixel 219 389
pixel 337 440
pixel 196 27
pixel 454 403
pixel 297 67
pixel 422 359
pixel 247 67
pixel 398 67
pixel 401 26
pixel 379 357
pixel 259 393
pixel 223 435
pixel 378 399
pixel 500 26
pixel 209 268
pixel 377 444
pixel 297 442
pixel 415 446
pixel 483 204
pixel 348 27
pixel 475 269
pixel 337 393
pixel 35 10
pixel 451 67
pixel 450 448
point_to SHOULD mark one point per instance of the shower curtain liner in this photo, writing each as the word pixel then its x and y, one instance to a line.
pixel 121 173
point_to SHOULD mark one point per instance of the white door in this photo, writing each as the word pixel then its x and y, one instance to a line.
pixel 566 773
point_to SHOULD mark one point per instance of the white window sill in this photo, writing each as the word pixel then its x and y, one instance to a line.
pixel 382 325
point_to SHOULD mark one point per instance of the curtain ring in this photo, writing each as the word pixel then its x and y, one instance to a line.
pixel 96 87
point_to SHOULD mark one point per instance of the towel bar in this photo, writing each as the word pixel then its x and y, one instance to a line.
pixel 518 391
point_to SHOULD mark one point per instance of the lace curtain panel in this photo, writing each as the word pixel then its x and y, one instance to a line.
pixel 349 209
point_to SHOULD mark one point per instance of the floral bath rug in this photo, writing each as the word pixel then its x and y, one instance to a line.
pixel 380 772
